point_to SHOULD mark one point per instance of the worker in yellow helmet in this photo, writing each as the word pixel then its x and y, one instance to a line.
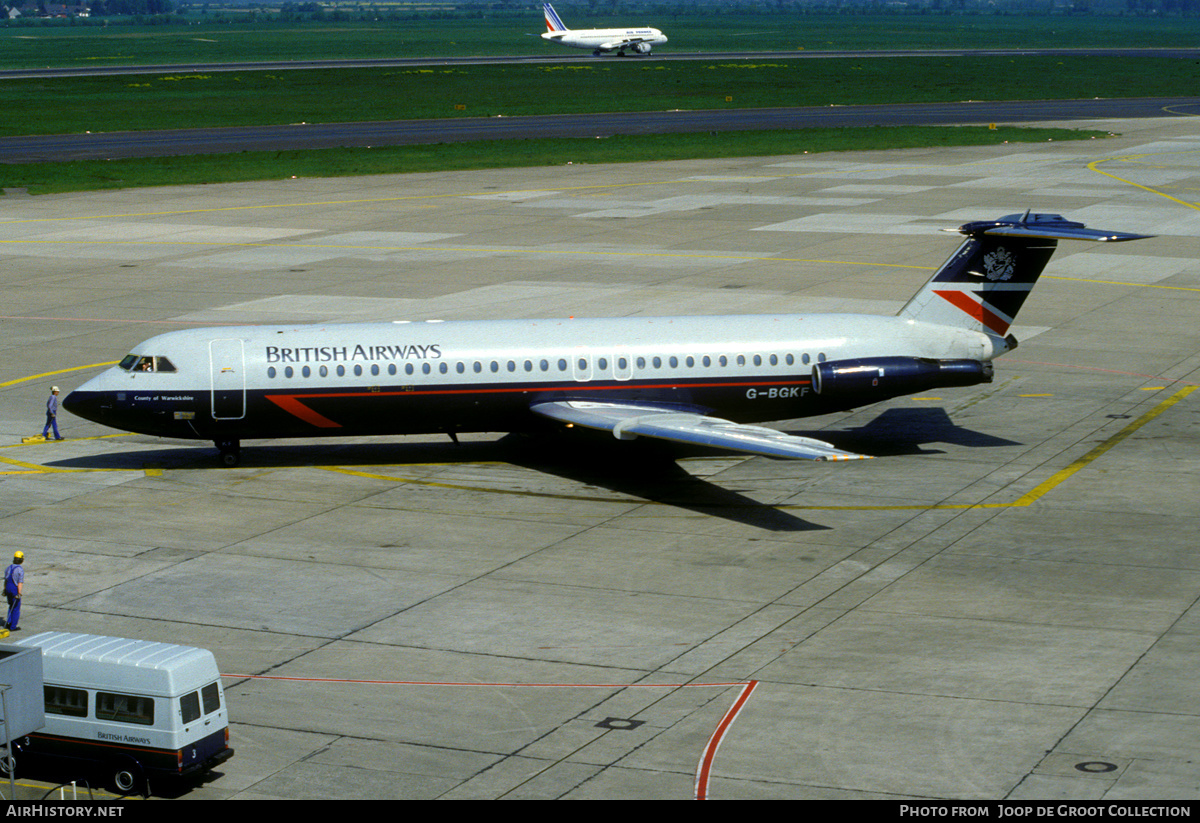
pixel 14 587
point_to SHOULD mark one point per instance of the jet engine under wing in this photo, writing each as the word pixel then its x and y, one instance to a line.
pixel 628 420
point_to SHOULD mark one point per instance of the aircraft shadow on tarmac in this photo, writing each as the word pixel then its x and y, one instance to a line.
pixel 646 469
pixel 904 431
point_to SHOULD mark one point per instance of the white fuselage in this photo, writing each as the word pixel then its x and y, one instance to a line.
pixel 412 377
pixel 633 39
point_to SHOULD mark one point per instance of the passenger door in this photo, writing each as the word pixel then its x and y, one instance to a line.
pixel 227 367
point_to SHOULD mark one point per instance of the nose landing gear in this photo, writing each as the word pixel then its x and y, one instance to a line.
pixel 230 452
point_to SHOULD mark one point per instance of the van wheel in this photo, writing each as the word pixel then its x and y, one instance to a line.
pixel 126 776
pixel 7 764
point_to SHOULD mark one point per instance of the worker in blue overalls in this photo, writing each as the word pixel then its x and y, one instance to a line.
pixel 14 587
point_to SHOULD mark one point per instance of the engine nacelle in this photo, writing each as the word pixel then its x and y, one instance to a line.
pixel 641 48
pixel 894 376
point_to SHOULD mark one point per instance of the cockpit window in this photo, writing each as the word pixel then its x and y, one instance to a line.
pixel 146 363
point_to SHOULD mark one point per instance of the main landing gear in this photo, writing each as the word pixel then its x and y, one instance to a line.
pixel 230 452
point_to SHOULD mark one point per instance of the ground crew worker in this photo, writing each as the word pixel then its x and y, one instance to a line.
pixel 52 415
pixel 14 587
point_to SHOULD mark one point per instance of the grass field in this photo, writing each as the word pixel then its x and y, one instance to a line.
pixel 136 102
pixel 580 84
pixel 48 178
pixel 202 39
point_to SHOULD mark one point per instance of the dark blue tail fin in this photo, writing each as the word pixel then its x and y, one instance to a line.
pixel 984 284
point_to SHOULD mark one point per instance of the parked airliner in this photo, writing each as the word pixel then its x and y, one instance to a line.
pixel 698 380
pixel 640 40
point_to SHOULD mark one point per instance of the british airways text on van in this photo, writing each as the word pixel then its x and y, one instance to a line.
pixel 136 708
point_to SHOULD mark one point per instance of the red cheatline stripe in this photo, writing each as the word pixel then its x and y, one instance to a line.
pixel 710 751
pixel 291 404
pixel 979 311
pixel 294 407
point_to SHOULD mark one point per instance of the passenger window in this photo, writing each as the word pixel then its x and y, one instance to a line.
pixel 189 706
pixel 69 702
pixel 212 698
pixel 125 708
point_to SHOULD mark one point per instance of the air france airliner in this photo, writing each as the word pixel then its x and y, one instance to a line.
pixel 639 40
pixel 695 380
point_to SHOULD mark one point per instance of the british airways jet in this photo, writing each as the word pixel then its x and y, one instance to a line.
pixel 600 40
pixel 695 380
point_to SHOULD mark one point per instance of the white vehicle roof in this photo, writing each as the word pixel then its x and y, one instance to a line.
pixel 121 664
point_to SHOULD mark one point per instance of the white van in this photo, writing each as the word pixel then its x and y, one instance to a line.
pixel 134 708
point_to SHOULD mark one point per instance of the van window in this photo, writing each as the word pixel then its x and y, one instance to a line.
pixel 125 708
pixel 61 700
pixel 212 698
pixel 189 706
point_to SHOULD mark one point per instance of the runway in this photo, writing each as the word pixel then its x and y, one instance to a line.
pixel 1002 605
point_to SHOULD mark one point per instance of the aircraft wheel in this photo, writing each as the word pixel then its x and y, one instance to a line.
pixel 231 452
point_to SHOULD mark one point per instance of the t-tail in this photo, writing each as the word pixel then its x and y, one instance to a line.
pixel 985 282
pixel 553 21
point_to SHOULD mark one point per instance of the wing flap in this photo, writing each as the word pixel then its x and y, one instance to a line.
pixel 628 420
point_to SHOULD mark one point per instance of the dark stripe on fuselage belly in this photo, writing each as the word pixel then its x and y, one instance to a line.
pixel 411 409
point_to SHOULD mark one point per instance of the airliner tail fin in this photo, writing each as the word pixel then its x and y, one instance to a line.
pixel 985 282
pixel 553 21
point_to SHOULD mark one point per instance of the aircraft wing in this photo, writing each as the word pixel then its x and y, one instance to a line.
pixel 629 420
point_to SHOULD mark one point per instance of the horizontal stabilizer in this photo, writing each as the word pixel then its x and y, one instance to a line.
pixel 1045 226
pixel 627 421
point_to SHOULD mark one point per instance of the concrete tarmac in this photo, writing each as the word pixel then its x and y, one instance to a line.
pixel 1001 606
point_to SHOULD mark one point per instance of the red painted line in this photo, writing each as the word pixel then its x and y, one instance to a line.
pixel 505 685
pixel 710 751
pixel 706 760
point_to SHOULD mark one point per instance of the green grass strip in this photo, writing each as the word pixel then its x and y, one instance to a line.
pixel 91 175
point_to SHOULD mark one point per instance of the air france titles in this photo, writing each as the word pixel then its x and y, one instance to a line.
pixel 335 354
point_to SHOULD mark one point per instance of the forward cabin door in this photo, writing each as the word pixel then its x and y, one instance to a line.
pixel 227 367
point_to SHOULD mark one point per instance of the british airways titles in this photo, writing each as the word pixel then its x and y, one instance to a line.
pixel 333 354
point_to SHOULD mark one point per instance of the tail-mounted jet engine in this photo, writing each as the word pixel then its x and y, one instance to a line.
pixel 892 376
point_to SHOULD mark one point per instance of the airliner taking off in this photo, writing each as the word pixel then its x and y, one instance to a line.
pixel 697 380
pixel 600 40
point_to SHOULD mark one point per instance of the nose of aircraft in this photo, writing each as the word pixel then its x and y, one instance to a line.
pixel 85 402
